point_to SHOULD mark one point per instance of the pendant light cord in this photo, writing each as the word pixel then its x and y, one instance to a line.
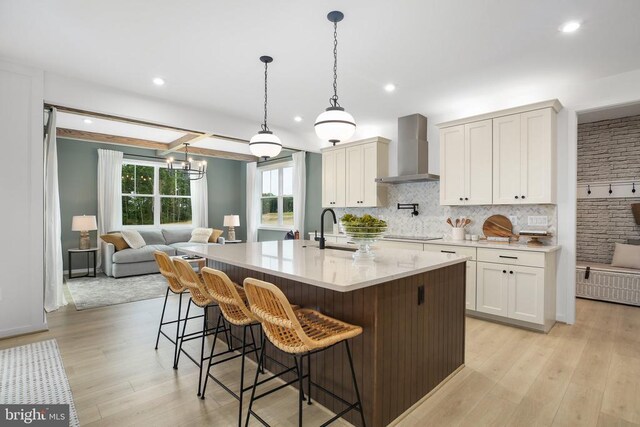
pixel 264 125
pixel 334 99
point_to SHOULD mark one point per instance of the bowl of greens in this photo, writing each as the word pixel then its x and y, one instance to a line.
pixel 364 231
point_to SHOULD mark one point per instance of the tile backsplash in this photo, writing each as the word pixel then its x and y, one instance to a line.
pixel 432 218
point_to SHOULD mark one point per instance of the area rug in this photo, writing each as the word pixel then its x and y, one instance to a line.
pixel 100 291
pixel 34 374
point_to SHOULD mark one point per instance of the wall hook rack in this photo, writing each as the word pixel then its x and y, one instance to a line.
pixel 412 206
pixel 608 190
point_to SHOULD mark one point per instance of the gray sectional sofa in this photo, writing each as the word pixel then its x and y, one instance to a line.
pixel 132 262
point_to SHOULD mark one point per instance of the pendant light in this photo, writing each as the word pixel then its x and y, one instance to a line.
pixel 265 144
pixel 335 124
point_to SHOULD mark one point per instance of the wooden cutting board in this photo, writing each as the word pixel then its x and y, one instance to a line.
pixel 635 208
pixel 498 226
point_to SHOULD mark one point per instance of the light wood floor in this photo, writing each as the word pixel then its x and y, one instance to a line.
pixel 584 374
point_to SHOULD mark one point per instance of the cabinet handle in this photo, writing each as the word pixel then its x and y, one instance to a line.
pixel 504 271
pixel 460 198
pixel 510 272
pixel 516 197
pixel 522 197
pixel 466 198
pixel 508 257
pixel 448 252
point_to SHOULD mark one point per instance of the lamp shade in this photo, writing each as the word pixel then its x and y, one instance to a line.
pixel 335 125
pixel 231 221
pixel 265 144
pixel 84 223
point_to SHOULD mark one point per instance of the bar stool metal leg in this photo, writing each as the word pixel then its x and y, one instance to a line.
pixel 355 383
pixel 164 307
pixel 204 334
pixel 184 328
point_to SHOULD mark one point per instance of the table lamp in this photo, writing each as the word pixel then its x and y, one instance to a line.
pixel 231 221
pixel 83 224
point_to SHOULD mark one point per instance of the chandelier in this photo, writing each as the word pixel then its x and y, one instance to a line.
pixel 187 167
pixel 335 124
pixel 265 144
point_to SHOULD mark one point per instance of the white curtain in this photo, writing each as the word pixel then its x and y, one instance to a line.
pixel 200 202
pixel 54 271
pixel 253 202
pixel 299 191
pixel 109 193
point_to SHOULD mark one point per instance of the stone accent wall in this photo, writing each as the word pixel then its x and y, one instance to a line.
pixel 608 150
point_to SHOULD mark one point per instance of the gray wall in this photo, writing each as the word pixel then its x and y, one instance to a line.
pixel 77 174
pixel 608 150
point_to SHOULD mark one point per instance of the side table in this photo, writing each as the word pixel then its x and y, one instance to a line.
pixel 89 251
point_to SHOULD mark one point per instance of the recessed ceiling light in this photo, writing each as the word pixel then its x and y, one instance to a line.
pixel 88 121
pixel 297 118
pixel 390 87
pixel 570 27
pixel 158 81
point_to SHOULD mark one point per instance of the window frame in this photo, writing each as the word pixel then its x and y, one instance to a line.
pixel 157 197
pixel 280 197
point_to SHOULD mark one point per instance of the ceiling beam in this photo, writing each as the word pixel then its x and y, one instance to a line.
pixel 147 144
pixel 189 138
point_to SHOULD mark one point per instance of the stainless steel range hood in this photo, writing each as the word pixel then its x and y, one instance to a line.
pixel 413 152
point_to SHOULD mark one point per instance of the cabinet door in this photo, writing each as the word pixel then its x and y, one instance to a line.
pixel 369 172
pixel 328 179
pixel 478 163
pixel 537 130
pixel 340 179
pixel 492 289
pixel 354 175
pixel 526 293
pixel 452 165
pixel 470 299
pixel 506 160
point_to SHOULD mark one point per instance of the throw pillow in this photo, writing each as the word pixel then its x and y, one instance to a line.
pixel 116 240
pixel 200 235
pixel 626 256
pixel 215 234
pixel 133 238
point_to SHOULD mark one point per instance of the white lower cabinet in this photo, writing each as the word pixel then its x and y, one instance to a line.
pixel 470 301
pixel 492 292
pixel 512 291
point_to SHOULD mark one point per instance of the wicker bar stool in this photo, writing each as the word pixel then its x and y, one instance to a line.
pixel 233 306
pixel 165 265
pixel 201 298
pixel 299 333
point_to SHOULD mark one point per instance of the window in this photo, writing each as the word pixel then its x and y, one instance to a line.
pixel 277 196
pixel 151 195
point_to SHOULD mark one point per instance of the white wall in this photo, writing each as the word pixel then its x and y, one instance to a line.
pixel 89 96
pixel 22 193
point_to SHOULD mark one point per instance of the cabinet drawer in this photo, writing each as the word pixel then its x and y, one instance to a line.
pixel 391 244
pixel 505 256
pixel 451 249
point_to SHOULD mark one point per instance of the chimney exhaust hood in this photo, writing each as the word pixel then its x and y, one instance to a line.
pixel 413 152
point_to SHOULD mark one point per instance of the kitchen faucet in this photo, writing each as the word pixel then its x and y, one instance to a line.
pixel 321 239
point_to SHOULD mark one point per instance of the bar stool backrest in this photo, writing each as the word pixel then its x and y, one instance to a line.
pixel 224 291
pixel 279 322
pixel 167 269
pixel 190 280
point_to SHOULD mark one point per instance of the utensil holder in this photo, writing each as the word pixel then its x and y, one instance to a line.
pixel 457 233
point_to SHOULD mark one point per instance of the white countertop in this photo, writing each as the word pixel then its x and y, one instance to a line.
pixel 471 244
pixel 302 261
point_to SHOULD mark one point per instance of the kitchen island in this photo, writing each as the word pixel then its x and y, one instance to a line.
pixel 410 304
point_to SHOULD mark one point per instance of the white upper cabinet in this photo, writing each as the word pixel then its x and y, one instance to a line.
pixel 524 158
pixel 502 158
pixel 349 173
pixel 452 164
pixel 465 164
pixel 333 178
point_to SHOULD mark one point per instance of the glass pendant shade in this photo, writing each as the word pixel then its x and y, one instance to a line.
pixel 335 125
pixel 265 144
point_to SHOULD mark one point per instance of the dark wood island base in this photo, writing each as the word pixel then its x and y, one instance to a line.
pixel 413 338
